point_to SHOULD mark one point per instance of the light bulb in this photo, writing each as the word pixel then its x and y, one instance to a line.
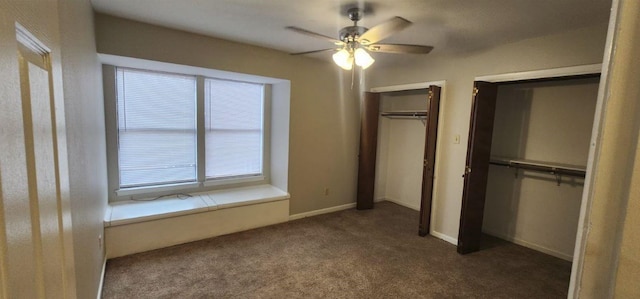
pixel 343 59
pixel 363 59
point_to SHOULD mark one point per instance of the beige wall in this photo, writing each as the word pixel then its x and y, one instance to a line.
pixel 611 244
pixel 577 47
pixel 66 28
pixel 85 141
pixel 548 122
pixel 324 110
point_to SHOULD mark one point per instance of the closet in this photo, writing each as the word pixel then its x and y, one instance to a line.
pixel 526 162
pixel 397 149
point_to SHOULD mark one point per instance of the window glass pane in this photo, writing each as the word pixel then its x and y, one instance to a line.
pixel 156 127
pixel 233 126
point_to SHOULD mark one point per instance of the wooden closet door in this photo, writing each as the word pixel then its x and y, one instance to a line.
pixel 477 166
pixel 368 147
pixel 431 131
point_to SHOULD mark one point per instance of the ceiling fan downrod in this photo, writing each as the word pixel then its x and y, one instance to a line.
pixel 350 34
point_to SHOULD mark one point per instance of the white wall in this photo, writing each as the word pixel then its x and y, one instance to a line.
pixel 401 150
pixel 548 122
pixel 576 47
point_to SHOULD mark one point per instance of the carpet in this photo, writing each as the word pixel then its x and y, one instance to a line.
pixel 348 254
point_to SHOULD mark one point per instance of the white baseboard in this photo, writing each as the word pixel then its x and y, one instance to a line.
pixel 322 211
pixel 444 237
pixel 533 246
pixel 101 284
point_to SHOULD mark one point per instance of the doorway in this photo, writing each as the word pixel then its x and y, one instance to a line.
pixel 479 151
pixel 410 152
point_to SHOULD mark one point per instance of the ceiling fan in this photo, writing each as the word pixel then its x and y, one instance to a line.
pixel 354 41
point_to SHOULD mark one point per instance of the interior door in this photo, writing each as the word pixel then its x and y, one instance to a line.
pixel 368 148
pixel 32 216
pixel 477 166
pixel 431 131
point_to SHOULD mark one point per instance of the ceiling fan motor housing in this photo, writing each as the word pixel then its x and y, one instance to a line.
pixel 350 33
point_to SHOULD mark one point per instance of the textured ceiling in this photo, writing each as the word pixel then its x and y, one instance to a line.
pixel 448 25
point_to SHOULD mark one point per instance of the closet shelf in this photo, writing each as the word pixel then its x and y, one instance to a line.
pixel 405 114
pixel 556 169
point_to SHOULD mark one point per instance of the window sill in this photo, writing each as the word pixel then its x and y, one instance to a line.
pixel 151 189
pixel 128 212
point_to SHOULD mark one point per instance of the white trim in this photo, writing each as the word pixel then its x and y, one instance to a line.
pixel 527 244
pixel 24 37
pixel 410 86
pixel 130 212
pixel 237 180
pixel 579 252
pixel 122 61
pixel 444 237
pixel 101 283
pixel 156 188
pixel 547 73
pixel 322 211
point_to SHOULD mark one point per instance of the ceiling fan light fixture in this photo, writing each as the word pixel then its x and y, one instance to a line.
pixel 363 59
pixel 343 59
pixel 355 41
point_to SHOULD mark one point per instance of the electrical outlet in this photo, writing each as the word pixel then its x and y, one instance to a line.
pixel 456 139
pixel 326 191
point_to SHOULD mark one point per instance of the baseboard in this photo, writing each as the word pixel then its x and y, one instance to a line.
pixel 101 284
pixel 322 211
pixel 533 246
pixel 413 207
pixel 444 237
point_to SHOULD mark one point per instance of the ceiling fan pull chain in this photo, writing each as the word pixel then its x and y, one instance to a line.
pixel 353 76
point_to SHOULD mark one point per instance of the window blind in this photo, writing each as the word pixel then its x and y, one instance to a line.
pixel 234 128
pixel 156 127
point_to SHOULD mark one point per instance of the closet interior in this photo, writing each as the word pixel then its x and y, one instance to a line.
pixel 537 161
pixel 401 138
pixel 401 132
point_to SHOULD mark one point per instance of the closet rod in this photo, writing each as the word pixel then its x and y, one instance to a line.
pixel 556 169
pixel 420 115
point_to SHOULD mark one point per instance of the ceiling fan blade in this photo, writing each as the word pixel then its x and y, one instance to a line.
pixel 311 52
pixel 399 49
pixel 313 34
pixel 384 30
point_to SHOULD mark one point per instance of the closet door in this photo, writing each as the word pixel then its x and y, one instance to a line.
pixel 477 166
pixel 368 147
pixel 431 131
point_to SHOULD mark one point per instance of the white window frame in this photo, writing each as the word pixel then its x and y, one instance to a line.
pixel 202 184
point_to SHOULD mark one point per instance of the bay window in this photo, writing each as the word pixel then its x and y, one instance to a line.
pixel 177 131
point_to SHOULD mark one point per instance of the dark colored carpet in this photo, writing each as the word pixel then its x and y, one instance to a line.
pixel 350 254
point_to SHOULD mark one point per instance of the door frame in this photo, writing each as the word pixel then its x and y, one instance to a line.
pixel 439 140
pixel 579 251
